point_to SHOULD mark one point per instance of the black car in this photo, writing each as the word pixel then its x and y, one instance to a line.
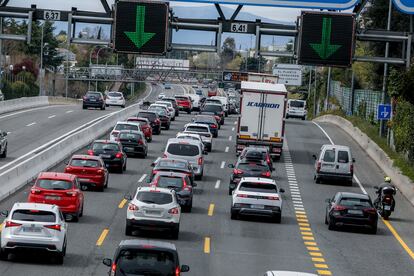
pixel 133 143
pixel 172 165
pixel 154 120
pixel 216 109
pixel 248 169
pixel 93 99
pixel 174 103
pixel 253 153
pixel 164 118
pixel 352 209
pixel 145 257
pixel 208 120
pixel 111 153
pixel 181 184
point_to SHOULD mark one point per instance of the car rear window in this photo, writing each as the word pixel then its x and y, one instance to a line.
pixel 298 104
pixel 105 146
pixel 145 262
pixel 256 155
pixel 129 136
pixel 212 108
pixel 209 119
pixel 115 94
pixel 170 182
pixel 349 201
pixel 188 137
pixel 197 128
pixel 93 94
pixel 252 167
pixel 171 164
pixel 257 187
pixel 183 149
pixel 148 115
pixel 51 184
pixel 182 98
pixel 154 197
pixel 84 163
pixel 329 156
pixel 343 156
pixel 126 127
pixel 34 215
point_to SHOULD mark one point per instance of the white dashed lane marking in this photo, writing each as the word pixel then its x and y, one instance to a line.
pixel 31 124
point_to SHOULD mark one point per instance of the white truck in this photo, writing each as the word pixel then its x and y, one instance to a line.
pixel 262 116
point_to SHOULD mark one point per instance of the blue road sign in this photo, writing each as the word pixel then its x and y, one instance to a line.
pixel 304 4
pixel 384 112
pixel 406 6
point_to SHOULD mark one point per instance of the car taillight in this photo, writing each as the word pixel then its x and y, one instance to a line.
pixel 318 166
pixel 339 208
pixel 11 224
pixel 115 133
pixel 272 198
pixel 84 97
pixel 371 211
pixel 157 121
pixel 266 174
pixel 113 269
pixel 90 152
pixel 351 168
pixel 185 186
pixel 140 142
pixel 177 271
pixel 268 159
pixel 164 155
pixel 174 211
pixel 68 169
pixel 242 195
pixel 237 171
pixel 73 194
pixel 200 161
pixel 387 199
pixel 118 155
pixel 53 227
pixel 217 117
pixel 213 126
pixel 100 171
pixel 132 207
pixel 35 191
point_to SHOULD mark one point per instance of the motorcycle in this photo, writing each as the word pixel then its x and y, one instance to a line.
pixel 385 201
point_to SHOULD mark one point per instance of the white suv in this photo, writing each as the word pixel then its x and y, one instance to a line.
pixel 153 208
pixel 190 136
pixel 34 226
pixel 202 130
pixel 114 98
pixel 256 196
pixel 124 126
pixel 169 106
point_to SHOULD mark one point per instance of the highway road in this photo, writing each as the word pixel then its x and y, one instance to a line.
pixel 212 244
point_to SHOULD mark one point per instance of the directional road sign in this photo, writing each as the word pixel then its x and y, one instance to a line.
pixel 141 27
pixel 326 39
pixel 309 4
pixel 406 6
pixel 235 76
pixel 384 112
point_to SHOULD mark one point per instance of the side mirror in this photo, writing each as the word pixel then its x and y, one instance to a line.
pixel 148 180
pixel 205 152
pixel 281 190
pixel 314 156
pixel 376 187
pixel 4 213
pixel 107 262
pixel 328 200
pixel 4 133
pixel 185 268
pixel 128 197
pixel 231 166
pixel 353 160
pixel 66 162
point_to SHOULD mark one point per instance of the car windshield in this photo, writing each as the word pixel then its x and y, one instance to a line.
pixel 105 146
pixel 183 149
pixel 126 127
pixel 145 262
pixel 51 184
pixel 298 104
pixel 350 201
pixel 258 187
pixel 172 164
pixel 252 167
pixel 197 129
pixel 84 163
pixel 329 156
pixel 170 182
pixel 129 136
pixel 212 108
pixel 154 197
pixel 149 115
pixel 34 215
pixel 115 94
pixel 343 156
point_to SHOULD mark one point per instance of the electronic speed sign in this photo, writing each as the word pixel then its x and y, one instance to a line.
pixel 141 27
pixel 326 39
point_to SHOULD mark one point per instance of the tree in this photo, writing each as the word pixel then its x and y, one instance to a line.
pixel 228 51
pixel 253 64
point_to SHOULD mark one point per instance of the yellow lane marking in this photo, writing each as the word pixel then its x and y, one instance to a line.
pixel 315 254
pixel 301 216
pixel 313 248
pixel 211 209
pixel 399 239
pixel 319 260
pixel 122 203
pixel 1 226
pixel 300 212
pixel 310 243
pixel 308 238
pixel 207 245
pixel 102 237
pixel 305 229
pixel 304 224
pixel 302 220
pixel 321 265
pixel 324 272
pixel 306 233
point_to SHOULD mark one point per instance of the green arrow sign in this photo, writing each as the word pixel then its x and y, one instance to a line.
pixel 325 49
pixel 139 37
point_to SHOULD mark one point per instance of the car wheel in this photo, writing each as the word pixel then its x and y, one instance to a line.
pixel 173 119
pixel 278 218
pixel 198 177
pixel 75 218
pixel 123 106
pixel 331 225
pixel 287 116
pixel 101 188
pixel 317 180
pixel 373 230
pixel 106 105
pixel 128 230
pixel 106 182
pixel 188 111
pixel 175 232
pixel 103 108
pixel 4 154
pixel 124 166
pixel 326 219
pixel 149 140
pixel 83 106
pixel 303 118
pixel 233 215
pixel 215 135
pixel 60 256
pixel 209 149
pixel 3 254
pixel 81 211
pixel 187 208
pixel 230 192
pixel 167 127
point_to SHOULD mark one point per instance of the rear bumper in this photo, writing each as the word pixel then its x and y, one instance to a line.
pixel 113 163
pixel 247 211
pixel 151 224
pixel 275 148
pixel 92 104
pixel 92 181
pixel 134 149
pixel 334 176
pixel 353 221
pixel 21 246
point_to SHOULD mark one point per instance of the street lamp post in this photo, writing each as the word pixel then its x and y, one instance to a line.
pixel 41 63
pixel 97 63
pixel 90 63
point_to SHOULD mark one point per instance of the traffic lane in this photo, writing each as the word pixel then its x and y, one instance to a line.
pixel 371 175
pixel 348 251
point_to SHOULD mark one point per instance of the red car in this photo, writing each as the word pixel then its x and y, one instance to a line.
pixel 61 189
pixel 144 125
pixel 184 103
pixel 90 170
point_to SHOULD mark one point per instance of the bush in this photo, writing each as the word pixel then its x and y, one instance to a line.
pixel 403 126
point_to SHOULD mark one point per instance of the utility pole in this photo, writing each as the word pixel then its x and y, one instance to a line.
pixel 328 88
pixel 41 61
pixel 315 95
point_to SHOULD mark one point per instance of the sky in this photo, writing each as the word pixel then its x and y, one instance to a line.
pixel 281 14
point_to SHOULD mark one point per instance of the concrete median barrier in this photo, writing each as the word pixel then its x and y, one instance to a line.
pixel 402 182
pixel 23 103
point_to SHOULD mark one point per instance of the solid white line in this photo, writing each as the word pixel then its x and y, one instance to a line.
pixel 217 184
pixel 31 124
pixel 324 132
pixel 142 178
pixel 230 137
pixel 223 163
pixel 24 111
pixel 69 111
pixel 227 149
pixel 233 129
pixel 51 116
pixel 8 133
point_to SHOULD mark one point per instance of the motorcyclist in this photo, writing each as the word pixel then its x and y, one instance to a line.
pixel 386 184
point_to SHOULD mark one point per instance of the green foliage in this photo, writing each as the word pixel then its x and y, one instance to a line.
pixel 19 89
pixel 253 64
pixel 403 126
pixel 401 84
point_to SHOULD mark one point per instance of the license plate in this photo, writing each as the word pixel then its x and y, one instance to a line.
pixel 328 165
pixel 355 212
pixel 387 207
pixel 53 197
pixel 105 155
pixel 31 229
pixel 256 206
pixel 128 149
pixel 83 179
pixel 92 100
pixel 152 213
pixel 107 165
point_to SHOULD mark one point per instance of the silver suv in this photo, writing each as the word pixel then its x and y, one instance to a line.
pixel 189 150
pixel 334 162
pixel 34 226
pixel 3 144
pixel 204 132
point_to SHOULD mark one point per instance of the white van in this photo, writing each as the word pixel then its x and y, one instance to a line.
pixel 296 109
